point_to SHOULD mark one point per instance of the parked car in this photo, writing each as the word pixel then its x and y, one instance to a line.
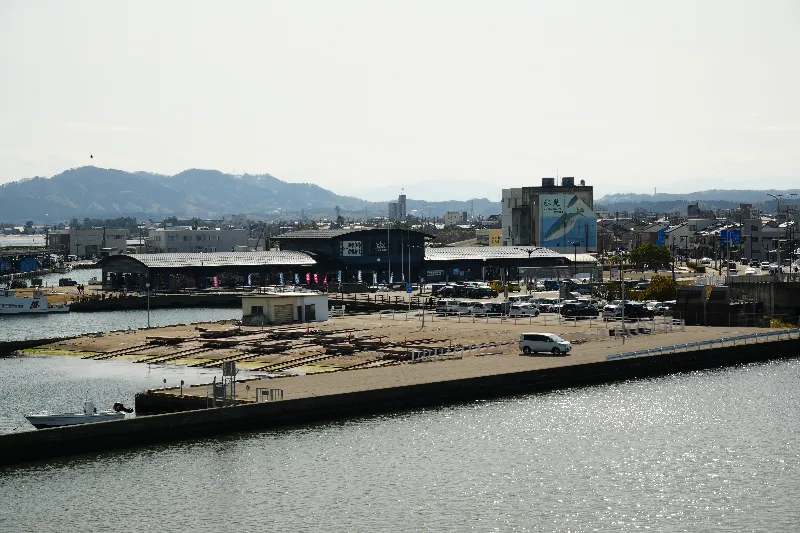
pixel 764 265
pixel 543 342
pixel 447 306
pixel 436 288
pixel 500 308
pixel 579 310
pixel 550 285
pixel 637 310
pixel 481 308
pixel 744 261
pixel 750 271
pixel 497 285
pixel 520 310
pixel 513 286
pixel 481 291
pixel 585 289
pixel 378 288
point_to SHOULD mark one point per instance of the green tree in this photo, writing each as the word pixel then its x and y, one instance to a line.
pixel 662 288
pixel 648 255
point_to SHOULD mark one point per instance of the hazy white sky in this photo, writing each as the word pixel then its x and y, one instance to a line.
pixel 682 95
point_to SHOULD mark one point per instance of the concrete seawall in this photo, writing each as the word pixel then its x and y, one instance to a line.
pixel 8 348
pixel 44 444
pixel 161 301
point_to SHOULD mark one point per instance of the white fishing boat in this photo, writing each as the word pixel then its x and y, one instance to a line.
pixel 62 269
pixel 12 304
pixel 88 416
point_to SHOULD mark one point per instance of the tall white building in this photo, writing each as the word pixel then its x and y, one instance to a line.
pixel 559 217
pixel 455 218
pixel 397 210
pixel 88 242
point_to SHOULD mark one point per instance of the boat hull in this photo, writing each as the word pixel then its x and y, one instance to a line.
pixel 43 421
pixel 64 309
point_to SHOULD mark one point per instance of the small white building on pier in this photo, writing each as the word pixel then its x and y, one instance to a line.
pixel 284 308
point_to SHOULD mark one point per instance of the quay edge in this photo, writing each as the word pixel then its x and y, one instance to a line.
pixel 143 430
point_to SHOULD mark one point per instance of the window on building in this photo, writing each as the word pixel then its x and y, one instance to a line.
pixel 754 238
pixel 257 310
pixel 753 228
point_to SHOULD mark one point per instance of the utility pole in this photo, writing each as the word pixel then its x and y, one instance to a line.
pixel 622 292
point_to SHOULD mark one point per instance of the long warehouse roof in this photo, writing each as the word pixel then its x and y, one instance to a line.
pixel 217 259
pixel 479 253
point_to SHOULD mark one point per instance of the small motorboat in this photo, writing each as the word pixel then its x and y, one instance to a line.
pixel 88 416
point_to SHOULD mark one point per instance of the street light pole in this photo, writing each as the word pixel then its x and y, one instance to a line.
pixel 673 258
pixel 147 286
pixel 777 217
pixel 575 259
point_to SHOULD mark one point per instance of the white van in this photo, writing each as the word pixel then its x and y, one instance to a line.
pixel 543 342
pixel 447 306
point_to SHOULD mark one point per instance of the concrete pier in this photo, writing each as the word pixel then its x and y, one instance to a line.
pixel 363 392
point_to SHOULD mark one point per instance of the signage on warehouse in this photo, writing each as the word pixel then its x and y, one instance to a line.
pixel 351 248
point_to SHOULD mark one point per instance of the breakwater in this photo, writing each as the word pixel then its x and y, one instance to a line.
pixel 201 422
pixel 161 301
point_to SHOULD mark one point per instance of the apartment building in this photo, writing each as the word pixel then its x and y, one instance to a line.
pixel 184 239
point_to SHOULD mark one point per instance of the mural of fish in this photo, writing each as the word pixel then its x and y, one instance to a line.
pixel 563 225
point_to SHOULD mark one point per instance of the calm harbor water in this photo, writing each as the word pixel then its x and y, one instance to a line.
pixel 55 325
pixel 60 384
pixel 704 451
pixel 69 324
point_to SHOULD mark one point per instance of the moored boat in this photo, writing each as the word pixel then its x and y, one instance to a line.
pixel 88 416
pixel 12 304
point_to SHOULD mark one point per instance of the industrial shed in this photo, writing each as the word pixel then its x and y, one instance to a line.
pixel 464 263
pixel 365 255
pixel 284 308
pixel 168 271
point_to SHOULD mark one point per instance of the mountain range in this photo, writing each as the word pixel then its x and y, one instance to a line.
pixel 107 193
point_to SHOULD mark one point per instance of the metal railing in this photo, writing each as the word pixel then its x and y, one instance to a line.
pixel 718 343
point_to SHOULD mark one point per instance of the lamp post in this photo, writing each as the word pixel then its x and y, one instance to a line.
pixel 528 284
pixel 575 259
pixel 147 286
pixel 673 258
